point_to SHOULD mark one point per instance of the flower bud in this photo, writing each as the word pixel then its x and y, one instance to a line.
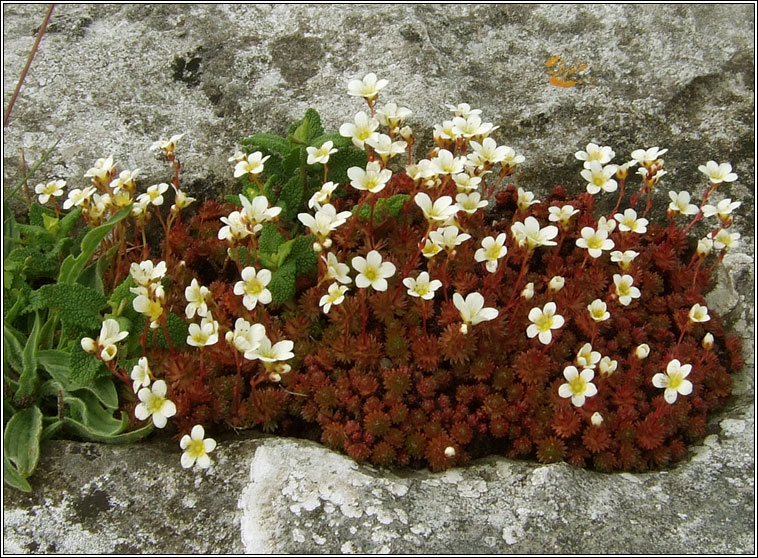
pixel 596 419
pixel 406 133
pixel 556 284
pixel 316 247
pixel 274 377
pixel 642 351
pixel 528 291
pixel 608 366
pixel 708 341
pixel 449 451
pixel 704 247
pixel 464 329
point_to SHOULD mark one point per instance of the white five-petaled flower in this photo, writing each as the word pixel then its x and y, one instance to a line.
pixel 448 237
pixel 579 386
pixel 267 352
pixel 391 115
pixel 673 381
pixel 561 214
pixel 724 239
pixel 320 154
pixel 110 334
pixel 53 188
pixel 385 147
pixel 624 289
pixel 372 271
pixel 77 197
pixel 421 286
pixel 204 334
pixel 323 195
pixel 598 310
pixel 167 146
pixel 368 87
pixel 146 272
pixel 336 270
pixel 246 336
pixel 253 287
pixel 543 322
pixel 446 163
pixel 624 259
pixel 628 222
pixel 718 173
pixel 699 313
pixel 325 221
pixel 373 179
pixel 430 248
pixel 472 126
pixel 257 211
pixel 470 203
pixel 125 180
pixel 487 152
pixel 723 209
pixel 595 241
pixel 150 307
pixel 154 194
pixel 362 129
pixel 607 366
pixel 196 448
pixel 462 109
pixel 464 182
pixel 680 203
pixel 154 403
pixel 594 152
pixel 586 357
pixel 646 157
pixel 530 234
pixel 704 247
pixel 181 200
pixel 252 164
pixel 235 227
pixel 140 374
pixel 334 296
pixel 472 309
pixel 525 199
pixel 598 177
pixel 101 170
pixel 441 210
pixel 491 251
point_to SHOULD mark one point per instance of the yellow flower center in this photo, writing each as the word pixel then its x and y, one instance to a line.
pixel 675 380
pixel 421 290
pixel 595 242
pixel 253 287
pixel 598 180
pixel 578 385
pixel 195 448
pixel 493 252
pixel 371 273
pixel 623 289
pixel 155 403
pixel 544 322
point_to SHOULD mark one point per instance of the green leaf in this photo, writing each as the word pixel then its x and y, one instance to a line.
pixel 178 330
pixel 308 128
pixel 57 364
pixel 122 292
pixel 13 348
pixel 73 266
pixel 123 438
pixel 282 285
pixel 344 159
pixel 51 430
pixel 384 208
pixel 269 142
pixel 10 231
pixel 303 255
pixel 92 276
pixel 291 197
pixel 90 419
pixel 78 306
pixel 32 262
pixel 69 221
pixel 85 367
pixel 29 380
pixel 269 238
pixel 336 139
pixel 284 251
pixel 37 214
pixel 291 162
pixel 21 440
pixel 233 198
pixel 13 478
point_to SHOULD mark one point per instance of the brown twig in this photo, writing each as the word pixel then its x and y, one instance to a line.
pixel 28 64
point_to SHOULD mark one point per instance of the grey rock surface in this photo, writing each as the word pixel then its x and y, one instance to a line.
pixel 113 79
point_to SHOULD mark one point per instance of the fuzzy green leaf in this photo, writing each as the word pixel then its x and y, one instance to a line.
pixel 291 197
pixel 10 230
pixel 291 163
pixel 36 236
pixel 269 142
pixel 13 348
pixel 78 306
pixel 344 159
pixel 282 285
pixel 13 478
pixel 178 331
pixel 336 139
pixel 269 238
pixel 303 255
pixel 28 382
pixel 92 276
pixel 122 292
pixel 57 364
pixel 21 440
pixel 90 420
pixel 69 221
pixel 85 367
pixel 37 212
pixel 32 262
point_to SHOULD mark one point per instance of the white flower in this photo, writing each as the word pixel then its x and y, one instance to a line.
pixel 140 374
pixel 628 222
pixel 168 145
pixel 154 402
pixel 446 163
pixel 323 195
pixel 449 452
pixel 54 188
pixel 237 157
pixel 320 154
pixel 195 296
pixel 708 341
pixel 472 309
pixel 673 381
pixel 441 210
pixel 624 259
pixel 594 241
pixel 448 237
pixel 246 336
pixel 110 334
pixel 204 334
pixel 464 182
pixel 491 251
pixel 598 310
pixel 578 386
pixel 525 199
pixel 723 209
pixel 607 366
pixel 253 287
pixel 470 203
pixel 699 313
pixel 586 357
pixel 463 109
pixel 154 194
pixel 718 173
pixel 125 180
pixel 543 322
pixel 252 164
pixel 647 157
pixel 267 352
pixel 181 200
pixel 392 116
pixel 336 270
pixel 430 248
pixel 151 308
pixel 651 179
pixel 561 214
pixel 325 221
pixel 511 159
pixel 530 233
pixel 385 147
pixel 724 239
pixel 335 295
pixel 471 126
pixel 599 178
pixel 77 197
pixel 556 284
pixel 372 271
pixel 704 247
pixel 257 211
pixel 196 449
pixel 606 224
pixel 368 87
pixel 680 203
pixel 146 272
pixel 101 170
pixel 373 179
pixel 421 286
pixel 363 128
pixel 528 291
pixel 624 289
pixel 235 228
pixel 642 351
pixel 487 152
pixel 596 419
pixel 594 152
